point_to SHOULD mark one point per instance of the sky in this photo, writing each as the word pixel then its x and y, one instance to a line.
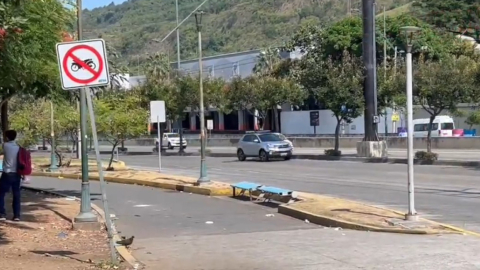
pixel 89 4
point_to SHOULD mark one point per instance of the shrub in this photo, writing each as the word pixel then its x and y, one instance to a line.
pixel 426 156
pixel 333 152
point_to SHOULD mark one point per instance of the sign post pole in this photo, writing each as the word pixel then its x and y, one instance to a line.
pixel 86 214
pixel 159 145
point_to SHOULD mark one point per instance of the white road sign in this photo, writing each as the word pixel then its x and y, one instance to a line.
pixel 209 124
pixel 157 111
pixel 83 64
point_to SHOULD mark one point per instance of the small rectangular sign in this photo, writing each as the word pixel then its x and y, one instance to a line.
pixel 314 118
pixel 157 111
pixel 209 124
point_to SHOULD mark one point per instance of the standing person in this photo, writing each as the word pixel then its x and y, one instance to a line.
pixel 10 179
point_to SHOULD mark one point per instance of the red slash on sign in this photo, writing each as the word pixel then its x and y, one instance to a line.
pixel 70 54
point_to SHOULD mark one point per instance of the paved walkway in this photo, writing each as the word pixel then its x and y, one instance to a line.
pixel 172 233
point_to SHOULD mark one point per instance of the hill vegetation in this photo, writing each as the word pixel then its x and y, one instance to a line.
pixel 228 25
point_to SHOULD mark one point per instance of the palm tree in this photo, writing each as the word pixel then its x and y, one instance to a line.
pixel 266 61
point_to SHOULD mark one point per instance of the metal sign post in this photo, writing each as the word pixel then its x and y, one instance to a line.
pixel 159 145
pixel 100 174
pixel 209 128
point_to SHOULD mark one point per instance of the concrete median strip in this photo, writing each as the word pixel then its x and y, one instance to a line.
pixel 317 209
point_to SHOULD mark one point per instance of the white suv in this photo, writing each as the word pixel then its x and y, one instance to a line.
pixel 265 145
pixel 171 141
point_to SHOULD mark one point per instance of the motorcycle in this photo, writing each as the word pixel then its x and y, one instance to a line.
pixel 76 66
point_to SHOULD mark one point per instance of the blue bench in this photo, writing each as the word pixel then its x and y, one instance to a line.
pixel 268 192
pixel 245 186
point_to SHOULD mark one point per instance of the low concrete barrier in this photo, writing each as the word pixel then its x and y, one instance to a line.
pixel 470 143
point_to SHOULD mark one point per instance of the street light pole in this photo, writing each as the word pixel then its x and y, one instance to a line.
pixel 180 122
pixel 412 214
pixel 53 158
pixel 86 214
pixel 203 166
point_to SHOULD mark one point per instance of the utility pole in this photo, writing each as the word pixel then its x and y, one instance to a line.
pixel 369 59
pixel 385 64
pixel 180 122
pixel 86 214
pixel 203 165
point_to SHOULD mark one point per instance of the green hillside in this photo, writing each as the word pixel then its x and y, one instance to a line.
pixel 229 25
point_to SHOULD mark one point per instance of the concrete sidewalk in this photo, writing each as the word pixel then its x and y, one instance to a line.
pixel 172 233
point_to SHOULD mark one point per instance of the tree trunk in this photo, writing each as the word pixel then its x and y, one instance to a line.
pixel 337 134
pixel 429 134
pixel 4 117
pixel 111 156
pixel 275 119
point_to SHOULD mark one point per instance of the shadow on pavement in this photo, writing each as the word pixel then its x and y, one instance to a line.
pixel 31 202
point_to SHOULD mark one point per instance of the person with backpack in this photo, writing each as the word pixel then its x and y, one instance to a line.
pixel 16 165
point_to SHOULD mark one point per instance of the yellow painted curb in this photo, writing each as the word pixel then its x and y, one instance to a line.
pixel 121 250
pixel 204 190
pixel 332 222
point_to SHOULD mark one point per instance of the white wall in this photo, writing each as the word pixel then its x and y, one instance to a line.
pixel 298 122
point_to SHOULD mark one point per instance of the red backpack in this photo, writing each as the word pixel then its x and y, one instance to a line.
pixel 24 160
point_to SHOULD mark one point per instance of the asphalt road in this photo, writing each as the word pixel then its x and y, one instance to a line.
pixel 444 154
pixel 446 194
pixel 171 233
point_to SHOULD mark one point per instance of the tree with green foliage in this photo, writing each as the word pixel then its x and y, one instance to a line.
pixel 28 62
pixel 442 85
pixel 119 117
pixel 33 122
pixel 454 15
pixel 473 119
pixel 338 85
pixel 263 93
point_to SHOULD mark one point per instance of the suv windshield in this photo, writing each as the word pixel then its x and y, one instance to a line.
pixel 173 135
pixel 270 138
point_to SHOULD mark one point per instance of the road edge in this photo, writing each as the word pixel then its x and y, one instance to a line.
pixel 321 157
pixel 124 253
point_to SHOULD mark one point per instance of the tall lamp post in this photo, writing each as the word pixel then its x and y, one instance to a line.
pixel 203 166
pixel 409 32
pixel 53 159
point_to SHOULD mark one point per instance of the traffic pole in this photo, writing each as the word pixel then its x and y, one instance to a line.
pixel 86 214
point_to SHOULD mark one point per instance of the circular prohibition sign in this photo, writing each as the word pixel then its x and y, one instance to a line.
pixel 70 54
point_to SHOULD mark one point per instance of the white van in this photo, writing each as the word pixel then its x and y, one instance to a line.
pixel 442 126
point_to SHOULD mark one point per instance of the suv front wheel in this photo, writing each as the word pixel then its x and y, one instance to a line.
pixel 263 155
pixel 241 155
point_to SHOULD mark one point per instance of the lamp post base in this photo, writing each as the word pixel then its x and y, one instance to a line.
pixel 85 217
pixel 411 217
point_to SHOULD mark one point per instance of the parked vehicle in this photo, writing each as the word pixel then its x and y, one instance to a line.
pixel 285 139
pixel 442 126
pixel 171 141
pixel 264 145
